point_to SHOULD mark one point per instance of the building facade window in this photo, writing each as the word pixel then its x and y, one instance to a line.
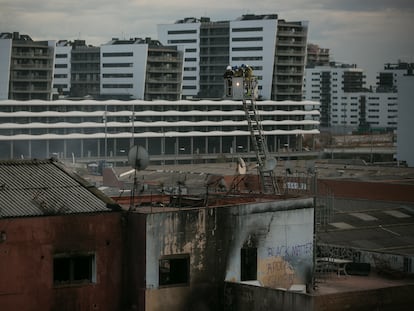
pixel 74 269
pixel 117 86
pixel 248 257
pixel 115 65
pixel 117 54
pixel 246 29
pixel 247 39
pixel 181 32
pixel 174 270
pixel 247 48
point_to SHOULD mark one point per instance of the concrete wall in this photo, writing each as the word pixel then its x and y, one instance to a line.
pixel 213 237
pixel 242 297
pixel 284 241
pixel 26 262
pixel 399 298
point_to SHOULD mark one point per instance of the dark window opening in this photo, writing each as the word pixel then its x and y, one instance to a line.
pixel 174 271
pixel 248 264
pixel 74 269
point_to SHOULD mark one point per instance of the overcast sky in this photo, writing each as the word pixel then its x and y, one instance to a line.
pixel 368 33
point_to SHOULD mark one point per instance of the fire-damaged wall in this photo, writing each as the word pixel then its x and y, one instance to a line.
pixel 191 252
pixel 69 262
pixel 282 236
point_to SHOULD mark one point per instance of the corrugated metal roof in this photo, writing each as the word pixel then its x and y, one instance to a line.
pixel 45 187
pixel 371 225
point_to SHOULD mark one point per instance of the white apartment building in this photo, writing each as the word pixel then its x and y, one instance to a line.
pixel 338 88
pixel 254 40
pixel 123 67
pixel 194 130
pixel 381 110
pixel 185 35
pixel 5 62
pixel 346 104
pixel 62 74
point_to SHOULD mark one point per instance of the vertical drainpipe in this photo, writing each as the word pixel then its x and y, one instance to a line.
pixel 315 192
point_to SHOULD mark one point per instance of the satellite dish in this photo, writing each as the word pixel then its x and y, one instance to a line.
pixel 269 165
pixel 138 157
pixel 241 166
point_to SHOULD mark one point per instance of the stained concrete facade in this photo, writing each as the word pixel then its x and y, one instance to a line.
pixel 278 234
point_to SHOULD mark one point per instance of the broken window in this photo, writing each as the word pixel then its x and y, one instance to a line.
pixel 248 264
pixel 74 269
pixel 174 270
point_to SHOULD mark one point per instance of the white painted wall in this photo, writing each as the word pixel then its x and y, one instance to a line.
pixel 268 33
pixel 405 147
pixel 189 44
pixel 62 71
pixel 5 59
pixel 138 63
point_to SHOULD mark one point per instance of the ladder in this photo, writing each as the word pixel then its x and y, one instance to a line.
pixel 265 164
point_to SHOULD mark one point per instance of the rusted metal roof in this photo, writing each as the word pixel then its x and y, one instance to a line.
pixel 46 187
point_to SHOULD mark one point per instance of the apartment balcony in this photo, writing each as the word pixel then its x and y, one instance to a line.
pixel 32 55
pixel 30 89
pixel 162 80
pixel 29 78
pixel 157 59
pixel 163 69
pixel 287 72
pixel 290 52
pixel 291 33
pixel 288 91
pixel 297 82
pixel 31 66
pixel 86 70
pixel 291 43
pixel 162 90
pixel 290 62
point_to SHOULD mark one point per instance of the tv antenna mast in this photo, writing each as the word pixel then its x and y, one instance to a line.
pixel 138 159
pixel 241 84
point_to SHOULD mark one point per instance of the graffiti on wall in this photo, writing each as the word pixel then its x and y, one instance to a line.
pixel 296 250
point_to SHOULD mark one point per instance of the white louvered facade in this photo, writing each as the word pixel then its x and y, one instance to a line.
pixel 107 129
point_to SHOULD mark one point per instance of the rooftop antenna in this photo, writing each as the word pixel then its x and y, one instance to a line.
pixel 138 159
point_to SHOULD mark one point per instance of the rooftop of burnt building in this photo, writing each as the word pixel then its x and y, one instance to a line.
pixel 373 207
pixel 194 177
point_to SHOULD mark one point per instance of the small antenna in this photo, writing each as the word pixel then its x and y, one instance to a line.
pixel 138 159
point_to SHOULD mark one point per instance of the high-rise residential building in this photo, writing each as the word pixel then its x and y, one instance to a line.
pixel 347 104
pixel 140 69
pixel 62 74
pixel 30 67
pixel 163 75
pixel 388 77
pixel 337 87
pixel 85 70
pixel 317 56
pixel 290 58
pixel 275 49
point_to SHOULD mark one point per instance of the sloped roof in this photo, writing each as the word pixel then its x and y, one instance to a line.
pixel 46 187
